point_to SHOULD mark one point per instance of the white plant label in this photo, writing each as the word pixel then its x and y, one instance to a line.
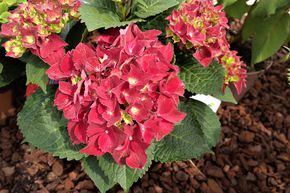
pixel 212 102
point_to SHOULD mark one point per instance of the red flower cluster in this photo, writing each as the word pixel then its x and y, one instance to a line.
pixel 235 70
pixel 200 25
pixel 121 95
pixel 32 26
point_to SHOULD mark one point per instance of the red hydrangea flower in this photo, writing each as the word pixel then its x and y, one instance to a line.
pixel 30 89
pixel 119 96
pixel 235 70
pixel 32 26
pixel 200 25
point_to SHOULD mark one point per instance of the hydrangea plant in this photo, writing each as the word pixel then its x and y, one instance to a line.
pixel 116 93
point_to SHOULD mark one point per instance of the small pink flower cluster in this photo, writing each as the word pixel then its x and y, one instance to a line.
pixel 200 25
pixel 33 26
pixel 235 70
pixel 121 95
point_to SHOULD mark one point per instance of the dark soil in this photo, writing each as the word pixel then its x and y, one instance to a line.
pixel 253 154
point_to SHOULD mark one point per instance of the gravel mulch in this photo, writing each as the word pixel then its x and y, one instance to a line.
pixel 252 156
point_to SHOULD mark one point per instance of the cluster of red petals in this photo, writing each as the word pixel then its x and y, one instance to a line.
pixel 30 89
pixel 121 95
pixel 200 25
pixel 33 26
pixel 235 70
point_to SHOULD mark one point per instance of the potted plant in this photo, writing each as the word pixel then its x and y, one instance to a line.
pixel 262 28
pixel 107 88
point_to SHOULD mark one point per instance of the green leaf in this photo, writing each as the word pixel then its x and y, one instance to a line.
pixel 93 170
pixel 194 136
pixel 101 13
pixel 124 175
pixel 198 79
pixel 237 9
pixel 10 2
pixel 288 76
pixel 4 17
pixel 266 7
pixel 147 8
pixel 157 22
pixel 1 67
pixel 250 26
pixel 11 69
pixel 76 35
pixel 3 7
pixel 226 3
pixel 41 126
pixel 35 72
pixel 67 28
pixel 227 96
pixel 270 36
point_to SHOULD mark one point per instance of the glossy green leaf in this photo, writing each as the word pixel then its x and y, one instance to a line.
pixel 35 72
pixel 227 96
pixel 3 7
pixel 93 170
pixel 1 67
pixel 76 35
pixel 270 36
pixel 4 17
pixel 198 79
pixel 11 69
pixel 237 9
pixel 194 136
pixel 266 7
pixel 41 125
pixel 147 8
pixel 226 3
pixel 101 14
pixel 124 175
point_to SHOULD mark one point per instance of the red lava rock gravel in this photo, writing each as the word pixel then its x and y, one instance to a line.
pixel 252 156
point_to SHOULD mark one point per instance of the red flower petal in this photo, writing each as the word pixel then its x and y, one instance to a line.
pixel 168 110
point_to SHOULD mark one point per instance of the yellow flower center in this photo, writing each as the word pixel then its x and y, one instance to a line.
pixel 132 81
pixel 75 79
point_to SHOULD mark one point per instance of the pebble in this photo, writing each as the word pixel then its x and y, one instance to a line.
pixel 8 171
pixel 215 171
pixel 32 170
pixel 181 176
pixel 52 185
pixel 246 136
pixel 51 176
pixel 176 190
pixel 226 168
pixel 43 190
pixel 86 184
pixel 68 184
pixel 158 189
pixel 137 189
pixel 251 177
pixel 57 168
pixel 214 187
pixel 204 187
